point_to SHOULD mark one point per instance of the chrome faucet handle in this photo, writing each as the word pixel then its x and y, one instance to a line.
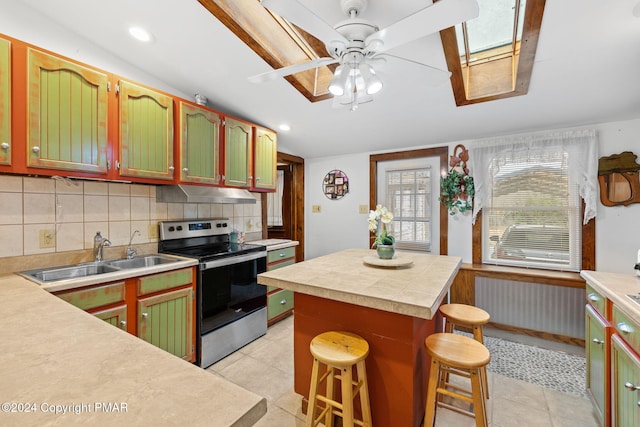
pixel 130 251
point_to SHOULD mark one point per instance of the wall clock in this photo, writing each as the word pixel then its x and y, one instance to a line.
pixel 335 184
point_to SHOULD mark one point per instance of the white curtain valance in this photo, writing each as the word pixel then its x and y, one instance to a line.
pixel 582 153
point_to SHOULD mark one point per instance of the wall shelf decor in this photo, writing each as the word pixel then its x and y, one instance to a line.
pixel 619 179
pixel 335 184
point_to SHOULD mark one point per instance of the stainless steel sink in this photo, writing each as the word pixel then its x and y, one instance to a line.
pixel 71 272
pixel 141 262
pixel 55 274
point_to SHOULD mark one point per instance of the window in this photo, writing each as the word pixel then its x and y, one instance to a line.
pixel 530 192
pixel 408 195
pixel 274 202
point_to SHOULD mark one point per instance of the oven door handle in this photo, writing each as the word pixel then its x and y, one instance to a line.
pixel 236 259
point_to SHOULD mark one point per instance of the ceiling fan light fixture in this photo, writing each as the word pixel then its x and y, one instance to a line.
pixel 372 81
pixel 339 80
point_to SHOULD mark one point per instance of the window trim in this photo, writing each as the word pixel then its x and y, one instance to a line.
pixel 442 153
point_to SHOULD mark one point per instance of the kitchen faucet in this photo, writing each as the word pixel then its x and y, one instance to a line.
pixel 130 251
pixel 98 243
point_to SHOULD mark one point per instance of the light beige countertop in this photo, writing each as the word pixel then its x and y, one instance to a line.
pixel 616 287
pixel 275 244
pixel 54 356
pixel 415 290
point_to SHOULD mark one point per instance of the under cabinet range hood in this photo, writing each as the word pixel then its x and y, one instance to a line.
pixel 202 194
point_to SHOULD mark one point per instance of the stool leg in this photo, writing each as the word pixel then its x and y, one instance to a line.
pixel 347 397
pixel 432 397
pixel 313 391
pixel 328 418
pixel 365 404
pixel 479 403
pixel 478 335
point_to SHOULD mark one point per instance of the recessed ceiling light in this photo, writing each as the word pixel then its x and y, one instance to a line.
pixel 285 127
pixel 140 34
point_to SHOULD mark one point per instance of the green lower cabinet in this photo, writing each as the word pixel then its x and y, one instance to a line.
pixel 116 316
pixel 279 303
pixel 597 362
pixel 626 384
pixel 166 321
pixel 96 296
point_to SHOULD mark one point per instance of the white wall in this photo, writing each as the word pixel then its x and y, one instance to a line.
pixel 339 225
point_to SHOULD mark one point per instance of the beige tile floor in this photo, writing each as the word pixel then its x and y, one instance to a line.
pixel 265 367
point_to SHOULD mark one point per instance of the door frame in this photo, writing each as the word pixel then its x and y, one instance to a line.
pixel 297 202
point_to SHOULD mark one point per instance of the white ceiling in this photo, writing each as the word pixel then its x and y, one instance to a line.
pixel 586 71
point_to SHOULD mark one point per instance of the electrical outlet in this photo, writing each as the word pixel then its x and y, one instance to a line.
pixel 152 231
pixel 315 208
pixel 47 239
pixel 363 209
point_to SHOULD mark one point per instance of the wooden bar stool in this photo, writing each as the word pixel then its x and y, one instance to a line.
pixel 339 351
pixel 456 353
pixel 470 317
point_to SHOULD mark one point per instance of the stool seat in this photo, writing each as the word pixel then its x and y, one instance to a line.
pixel 343 354
pixel 339 349
pixel 452 353
pixel 457 350
pixel 463 314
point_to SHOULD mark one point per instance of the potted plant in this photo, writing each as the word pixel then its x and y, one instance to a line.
pixel 457 189
pixel 383 242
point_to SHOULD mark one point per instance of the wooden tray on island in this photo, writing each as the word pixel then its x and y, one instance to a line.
pixel 396 261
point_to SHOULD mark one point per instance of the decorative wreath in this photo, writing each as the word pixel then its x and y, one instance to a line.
pixel 456 189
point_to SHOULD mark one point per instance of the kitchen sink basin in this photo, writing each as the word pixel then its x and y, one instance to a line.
pixel 72 272
pixel 79 271
pixel 141 262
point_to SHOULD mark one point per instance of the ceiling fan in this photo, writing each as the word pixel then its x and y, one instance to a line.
pixel 358 45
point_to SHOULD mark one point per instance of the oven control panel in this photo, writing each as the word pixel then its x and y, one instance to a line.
pixel 170 230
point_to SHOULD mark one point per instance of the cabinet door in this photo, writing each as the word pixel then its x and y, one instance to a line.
pixel 237 148
pixel 67 117
pixel 166 321
pixel 146 133
pixel 625 370
pixel 116 316
pixel 5 102
pixel 264 160
pixel 597 352
pixel 199 144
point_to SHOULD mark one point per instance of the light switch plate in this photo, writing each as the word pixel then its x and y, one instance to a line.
pixel 315 208
pixel 363 209
pixel 152 231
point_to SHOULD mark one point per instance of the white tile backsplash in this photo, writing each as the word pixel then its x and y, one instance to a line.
pixel 74 210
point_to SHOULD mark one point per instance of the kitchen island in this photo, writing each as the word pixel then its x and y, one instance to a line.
pixel 62 366
pixel 394 309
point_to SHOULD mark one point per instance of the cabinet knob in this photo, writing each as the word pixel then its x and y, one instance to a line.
pixel 171 168
pixel 258 179
pixel 281 254
pixel 624 328
pixel 631 387
pixel 597 341
pixel 185 170
pixel 283 302
pixel 5 145
pixel 145 315
pixel 123 323
pixel 36 149
pixel 593 297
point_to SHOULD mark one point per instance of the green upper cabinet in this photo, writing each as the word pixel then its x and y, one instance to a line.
pixel 146 133
pixel 67 117
pixel 5 102
pixel 199 144
pixel 264 160
pixel 237 149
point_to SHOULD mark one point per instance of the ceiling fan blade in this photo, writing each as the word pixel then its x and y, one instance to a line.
pixel 291 69
pixel 295 12
pixel 440 15
pixel 432 76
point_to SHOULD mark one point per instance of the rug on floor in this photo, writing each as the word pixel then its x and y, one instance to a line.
pixel 556 370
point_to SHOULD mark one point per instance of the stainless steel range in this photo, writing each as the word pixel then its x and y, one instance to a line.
pixel 231 305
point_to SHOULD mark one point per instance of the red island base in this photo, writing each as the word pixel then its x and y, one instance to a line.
pixel 397 365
